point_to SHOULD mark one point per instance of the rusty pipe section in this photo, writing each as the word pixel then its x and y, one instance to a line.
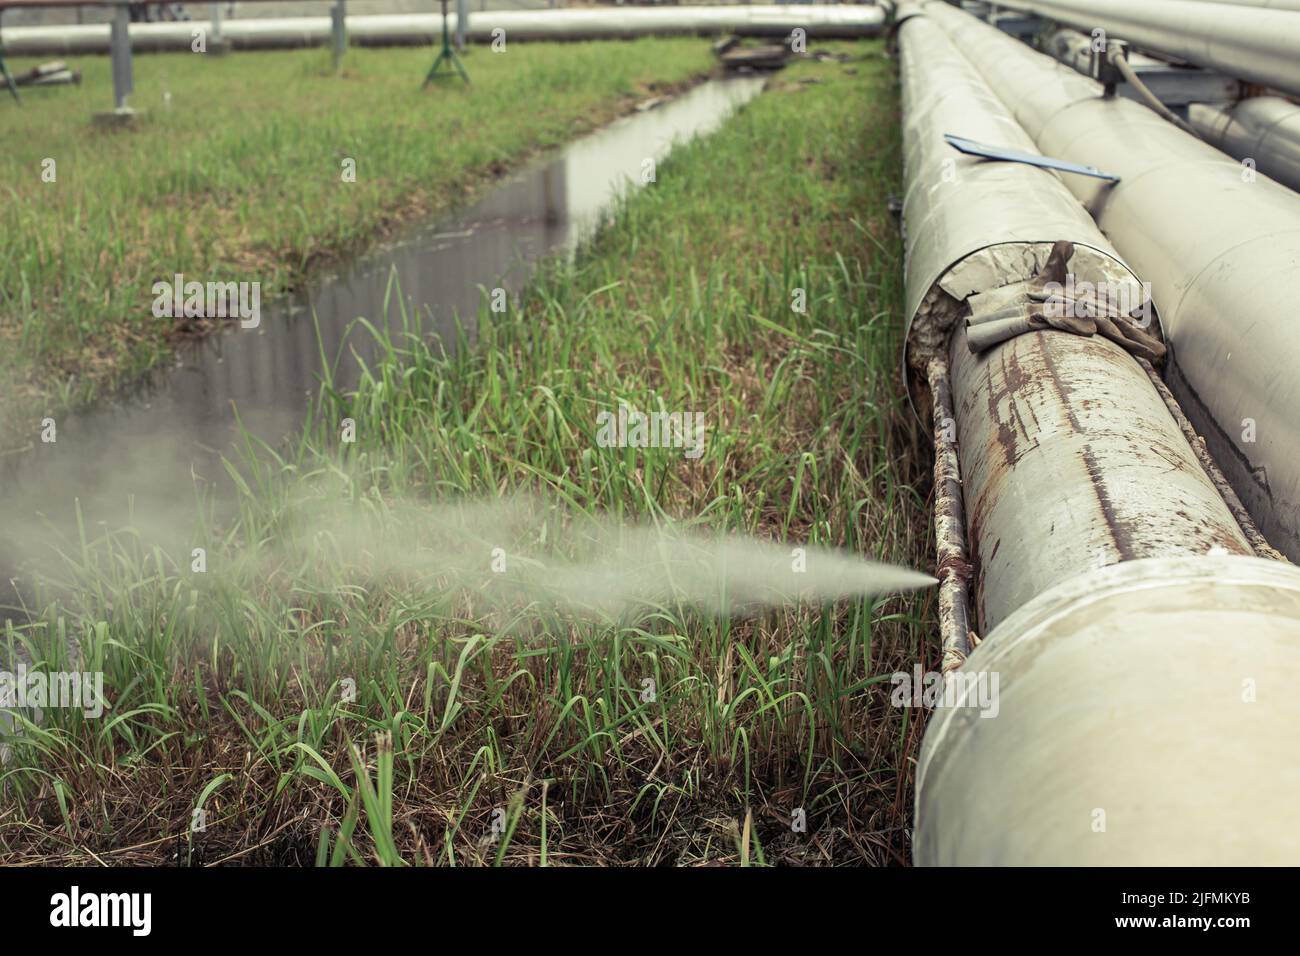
pixel 1071 462
pixel 1219 243
pixel 1110 578
pixel 1248 42
pixel 819 20
pixel 1263 130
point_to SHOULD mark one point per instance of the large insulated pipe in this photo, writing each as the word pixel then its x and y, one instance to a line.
pixel 1144 715
pixel 1049 459
pixel 1219 244
pixel 1262 129
pixel 843 21
pixel 1255 44
pixel 1070 462
pixel 1267 4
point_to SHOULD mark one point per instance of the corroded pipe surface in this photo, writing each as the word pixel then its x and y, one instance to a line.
pixel 1071 462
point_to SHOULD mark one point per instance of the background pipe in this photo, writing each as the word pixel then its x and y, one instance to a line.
pixel 1262 129
pixel 1266 4
pixel 826 21
pixel 1219 244
pixel 1250 43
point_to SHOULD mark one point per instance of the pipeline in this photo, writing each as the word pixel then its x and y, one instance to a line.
pixel 1219 244
pixel 1247 42
pixel 1266 4
pixel 1263 129
pixel 825 21
pixel 1033 415
pixel 1106 567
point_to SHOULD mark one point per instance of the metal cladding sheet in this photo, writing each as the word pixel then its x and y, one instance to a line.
pixel 1262 129
pixel 856 20
pixel 1250 43
pixel 1061 478
pixel 1118 726
pixel 1219 244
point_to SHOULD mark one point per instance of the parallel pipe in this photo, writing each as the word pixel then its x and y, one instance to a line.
pixel 826 21
pixel 1036 418
pixel 1250 43
pixel 1219 244
pixel 1266 4
pixel 1107 569
pixel 1173 85
pixel 1263 129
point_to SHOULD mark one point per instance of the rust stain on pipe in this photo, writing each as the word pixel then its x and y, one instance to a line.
pixel 1071 462
pixel 954 568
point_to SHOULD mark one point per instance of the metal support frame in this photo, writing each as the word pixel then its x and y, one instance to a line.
pixel 462 23
pixel 1173 85
pixel 123 70
pixel 447 55
pixel 4 68
pixel 338 19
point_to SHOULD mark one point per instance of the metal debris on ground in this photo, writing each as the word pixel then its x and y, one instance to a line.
pixel 55 73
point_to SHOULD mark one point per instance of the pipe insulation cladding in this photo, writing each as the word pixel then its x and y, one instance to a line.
pixel 1262 129
pixel 1146 715
pixel 1248 42
pixel 821 20
pixel 1049 461
pixel 1265 4
pixel 1097 545
pixel 1219 244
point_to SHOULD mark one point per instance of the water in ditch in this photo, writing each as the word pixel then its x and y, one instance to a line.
pixel 136 463
pixel 145 452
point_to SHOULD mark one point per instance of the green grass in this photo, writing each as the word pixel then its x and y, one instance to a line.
pixel 487 737
pixel 238 176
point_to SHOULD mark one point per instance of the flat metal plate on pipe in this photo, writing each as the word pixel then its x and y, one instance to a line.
pixel 1001 153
